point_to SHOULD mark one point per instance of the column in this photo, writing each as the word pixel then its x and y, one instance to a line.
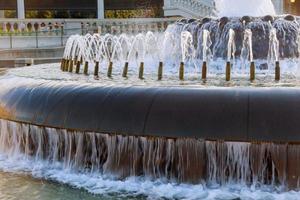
pixel 21 9
pixel 100 9
pixel 2 14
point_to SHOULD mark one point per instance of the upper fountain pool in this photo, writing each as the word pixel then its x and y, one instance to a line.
pixel 245 51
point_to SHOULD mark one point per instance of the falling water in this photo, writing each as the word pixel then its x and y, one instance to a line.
pixel 183 159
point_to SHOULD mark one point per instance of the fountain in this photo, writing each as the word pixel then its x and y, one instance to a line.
pixel 140 106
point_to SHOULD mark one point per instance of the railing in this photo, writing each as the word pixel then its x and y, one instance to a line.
pixel 192 8
pixel 107 25
pixel 35 33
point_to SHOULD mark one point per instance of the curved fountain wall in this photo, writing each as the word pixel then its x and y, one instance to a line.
pixel 240 114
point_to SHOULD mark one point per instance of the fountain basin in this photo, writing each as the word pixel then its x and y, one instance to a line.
pixel 231 114
pixel 190 132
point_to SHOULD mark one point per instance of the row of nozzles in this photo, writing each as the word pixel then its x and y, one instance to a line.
pixel 68 65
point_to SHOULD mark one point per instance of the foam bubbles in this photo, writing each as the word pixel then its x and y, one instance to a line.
pixel 134 186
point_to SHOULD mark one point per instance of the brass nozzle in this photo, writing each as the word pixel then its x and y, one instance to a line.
pixel 86 68
pixel 109 70
pixel 96 70
pixel 277 71
pixel 204 70
pixel 181 71
pixel 160 71
pixel 228 71
pixel 125 70
pixel 141 71
pixel 252 71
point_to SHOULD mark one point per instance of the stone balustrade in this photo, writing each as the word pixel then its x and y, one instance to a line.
pixel 55 26
pixel 38 33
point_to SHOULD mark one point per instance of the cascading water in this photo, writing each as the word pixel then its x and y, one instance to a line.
pixel 184 160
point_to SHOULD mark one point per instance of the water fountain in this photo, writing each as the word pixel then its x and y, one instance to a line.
pixel 211 102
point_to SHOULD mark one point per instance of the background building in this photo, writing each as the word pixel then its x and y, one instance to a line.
pixel 120 9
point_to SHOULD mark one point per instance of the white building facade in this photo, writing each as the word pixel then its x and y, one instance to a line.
pixel 184 8
pixel 201 8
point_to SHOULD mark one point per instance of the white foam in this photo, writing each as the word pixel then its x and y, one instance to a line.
pixel 238 8
pixel 135 186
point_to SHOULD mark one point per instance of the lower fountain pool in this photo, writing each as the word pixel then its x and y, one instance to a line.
pixel 31 179
pixel 47 163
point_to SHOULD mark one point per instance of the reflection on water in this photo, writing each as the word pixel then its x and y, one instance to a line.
pixel 24 187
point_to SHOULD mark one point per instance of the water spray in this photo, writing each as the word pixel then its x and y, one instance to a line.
pixel 206 52
pixel 186 51
pixel 247 51
pixel 273 54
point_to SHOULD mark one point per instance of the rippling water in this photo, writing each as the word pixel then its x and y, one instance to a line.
pixel 216 78
pixel 22 186
pixel 30 179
